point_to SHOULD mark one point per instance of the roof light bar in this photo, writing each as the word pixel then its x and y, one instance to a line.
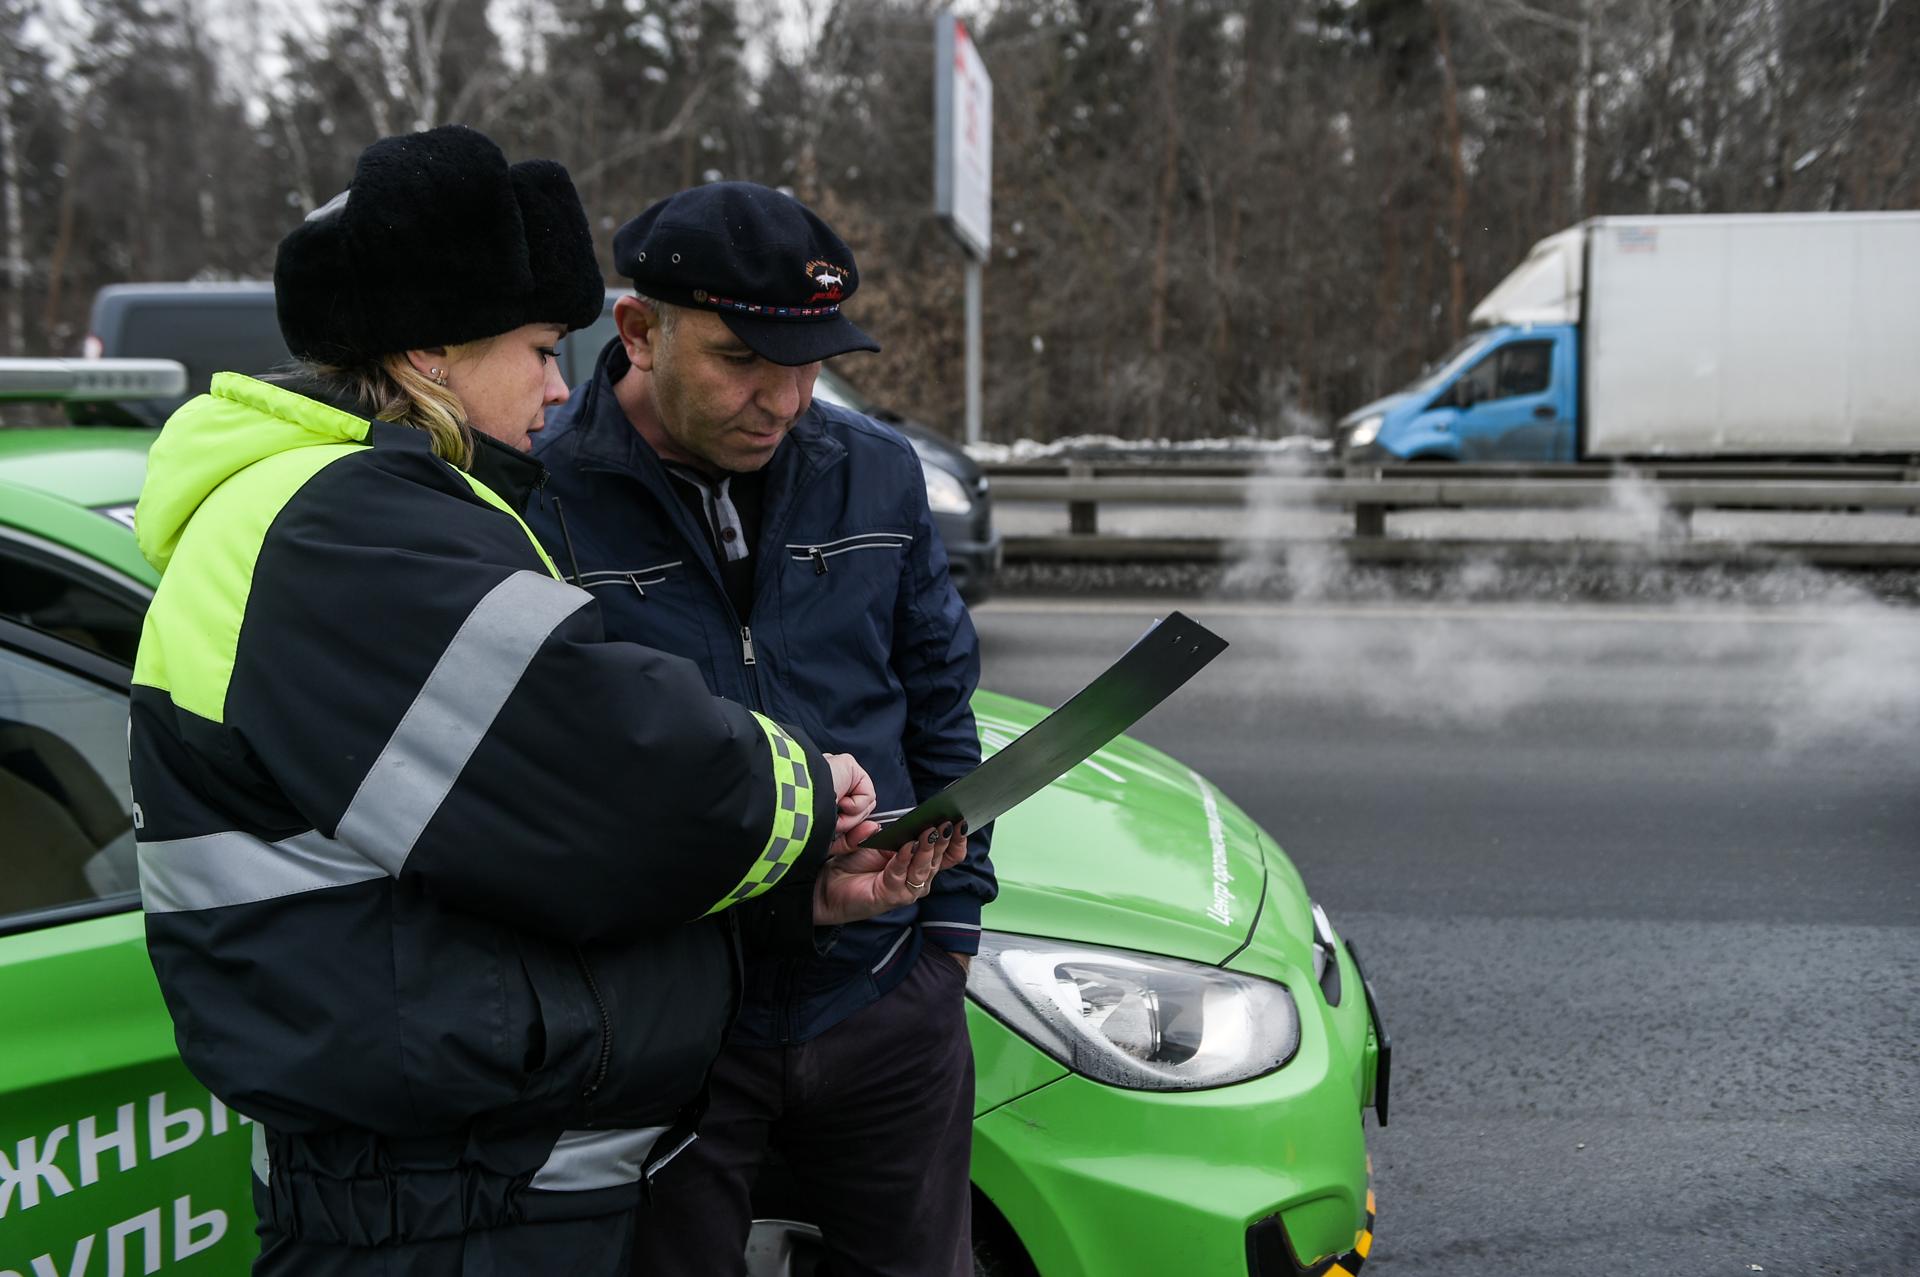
pixel 71 380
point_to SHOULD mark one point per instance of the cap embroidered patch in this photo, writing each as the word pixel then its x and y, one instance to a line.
pixel 828 280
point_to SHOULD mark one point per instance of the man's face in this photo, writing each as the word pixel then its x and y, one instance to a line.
pixel 717 402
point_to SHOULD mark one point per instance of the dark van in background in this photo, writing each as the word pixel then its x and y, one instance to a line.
pixel 231 327
pixel 207 327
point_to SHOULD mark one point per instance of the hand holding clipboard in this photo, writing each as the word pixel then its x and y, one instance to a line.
pixel 1164 658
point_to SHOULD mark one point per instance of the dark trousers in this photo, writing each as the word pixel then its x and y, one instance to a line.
pixel 875 1118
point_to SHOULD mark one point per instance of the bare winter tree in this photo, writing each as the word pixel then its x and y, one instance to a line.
pixel 12 195
pixel 1210 216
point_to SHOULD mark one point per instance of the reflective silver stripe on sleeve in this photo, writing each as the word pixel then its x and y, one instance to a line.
pixel 583 1160
pixel 451 714
pixel 233 868
pixel 262 1165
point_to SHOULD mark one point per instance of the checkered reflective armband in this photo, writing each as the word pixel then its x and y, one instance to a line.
pixel 792 817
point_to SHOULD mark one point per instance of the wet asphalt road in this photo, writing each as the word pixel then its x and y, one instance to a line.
pixel 1639 891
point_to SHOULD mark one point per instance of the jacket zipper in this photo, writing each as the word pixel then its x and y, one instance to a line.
pixel 819 560
pixel 783 973
pixel 783 979
pixel 606 1032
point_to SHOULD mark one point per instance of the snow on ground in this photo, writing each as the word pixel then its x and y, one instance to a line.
pixel 1108 447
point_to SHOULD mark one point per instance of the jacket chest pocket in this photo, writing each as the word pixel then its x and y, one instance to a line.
pixel 845 588
pixel 882 553
pixel 615 581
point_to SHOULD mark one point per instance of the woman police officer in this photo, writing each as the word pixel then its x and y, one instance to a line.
pixel 424 857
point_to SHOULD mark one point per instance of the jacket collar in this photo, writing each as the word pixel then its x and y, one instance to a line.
pixel 240 421
pixel 511 474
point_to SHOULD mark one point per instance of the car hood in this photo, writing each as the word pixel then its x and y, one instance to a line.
pixel 89 467
pixel 1131 848
pixel 935 448
pixel 1384 404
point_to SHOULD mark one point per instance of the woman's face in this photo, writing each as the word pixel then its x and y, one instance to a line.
pixel 507 384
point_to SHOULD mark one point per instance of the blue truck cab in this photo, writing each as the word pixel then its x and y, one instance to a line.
pixel 1506 393
pixel 1509 392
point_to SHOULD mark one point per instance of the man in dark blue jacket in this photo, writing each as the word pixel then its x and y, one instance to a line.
pixel 717 511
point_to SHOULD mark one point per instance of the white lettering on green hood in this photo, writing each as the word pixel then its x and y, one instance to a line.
pixel 1220 908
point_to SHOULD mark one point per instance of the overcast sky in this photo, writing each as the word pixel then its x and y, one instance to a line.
pixel 249 29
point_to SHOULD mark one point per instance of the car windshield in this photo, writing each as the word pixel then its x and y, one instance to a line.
pixel 1443 369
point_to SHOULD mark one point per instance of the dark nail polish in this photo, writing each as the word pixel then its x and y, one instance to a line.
pixel 946 831
pixel 961 829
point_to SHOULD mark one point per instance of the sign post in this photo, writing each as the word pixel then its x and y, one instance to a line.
pixel 963 172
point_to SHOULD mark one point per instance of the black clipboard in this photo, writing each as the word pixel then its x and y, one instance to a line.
pixel 1165 657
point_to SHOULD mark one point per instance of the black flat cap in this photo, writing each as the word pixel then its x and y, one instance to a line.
pixel 759 259
pixel 437 241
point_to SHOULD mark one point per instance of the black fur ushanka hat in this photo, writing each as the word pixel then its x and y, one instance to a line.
pixel 437 241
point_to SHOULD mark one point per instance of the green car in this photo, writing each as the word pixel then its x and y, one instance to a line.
pixel 1173 1070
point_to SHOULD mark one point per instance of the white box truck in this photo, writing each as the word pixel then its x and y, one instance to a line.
pixel 1781 335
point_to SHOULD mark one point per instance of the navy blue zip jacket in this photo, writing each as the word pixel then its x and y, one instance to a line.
pixel 856 635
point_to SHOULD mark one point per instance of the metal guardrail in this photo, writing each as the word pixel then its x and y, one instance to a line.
pixel 1312 466
pixel 1444 550
pixel 1676 491
pixel 1372 498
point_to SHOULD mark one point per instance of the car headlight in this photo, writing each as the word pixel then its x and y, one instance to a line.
pixel 1135 1020
pixel 945 493
pixel 1323 942
pixel 1367 431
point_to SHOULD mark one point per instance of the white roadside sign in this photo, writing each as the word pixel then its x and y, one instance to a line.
pixel 963 136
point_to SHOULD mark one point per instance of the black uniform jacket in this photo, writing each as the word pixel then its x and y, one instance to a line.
pixel 432 869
